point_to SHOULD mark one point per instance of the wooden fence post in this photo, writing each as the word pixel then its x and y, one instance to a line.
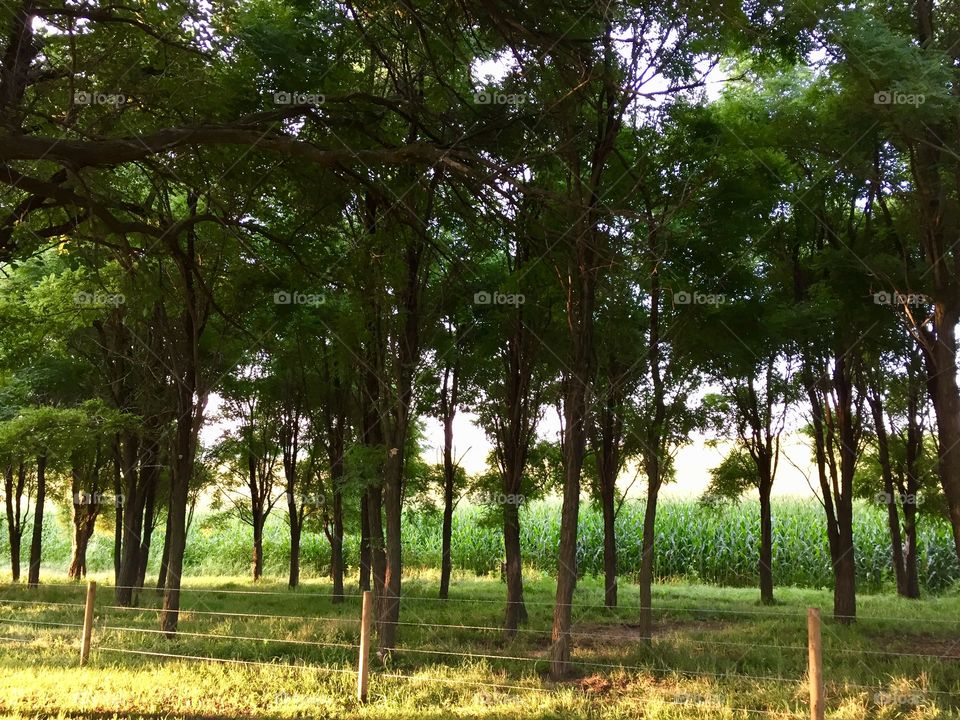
pixel 363 668
pixel 87 623
pixel 815 664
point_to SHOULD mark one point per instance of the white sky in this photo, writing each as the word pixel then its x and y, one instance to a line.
pixel 693 462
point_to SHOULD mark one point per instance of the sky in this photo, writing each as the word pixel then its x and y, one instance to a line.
pixel 693 462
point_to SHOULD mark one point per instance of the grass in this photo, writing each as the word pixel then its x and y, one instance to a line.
pixel 715 650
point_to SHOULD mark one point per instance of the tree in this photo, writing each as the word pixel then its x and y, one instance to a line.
pixel 898 469
pixel 755 409
pixel 251 451
pixel 913 53
pixel 612 445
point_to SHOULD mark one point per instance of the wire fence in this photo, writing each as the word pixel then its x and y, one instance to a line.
pixel 332 642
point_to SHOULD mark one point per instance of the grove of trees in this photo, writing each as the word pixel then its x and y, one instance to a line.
pixel 321 224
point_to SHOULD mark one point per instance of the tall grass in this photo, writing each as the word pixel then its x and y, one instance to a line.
pixel 711 545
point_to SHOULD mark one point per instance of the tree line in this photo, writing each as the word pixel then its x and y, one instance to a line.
pixel 651 219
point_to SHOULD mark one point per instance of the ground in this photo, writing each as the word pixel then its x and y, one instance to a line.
pixel 717 653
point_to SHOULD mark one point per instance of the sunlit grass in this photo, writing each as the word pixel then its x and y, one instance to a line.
pixel 717 653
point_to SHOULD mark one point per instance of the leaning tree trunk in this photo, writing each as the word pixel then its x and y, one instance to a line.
pixel 164 555
pixel 82 531
pixel 886 470
pixel 945 396
pixel 84 521
pixel 36 544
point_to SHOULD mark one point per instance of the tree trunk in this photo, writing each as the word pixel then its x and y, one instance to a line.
pixel 567 556
pixel 183 456
pixel 945 396
pixel 15 557
pixel 378 558
pixel 364 543
pixel 82 531
pixel 390 608
pixel 446 559
pixel 336 544
pixel 134 501
pixel 845 587
pixel 765 565
pixel 36 544
pixel 915 435
pixel 448 411
pixel 337 440
pixel 12 496
pixel 886 470
pixel 149 519
pixel 607 501
pixel 646 560
pixel 84 521
pixel 295 530
pixel 516 611
pixel 118 510
pixel 165 555
pixel 257 560
pixel 845 573
pixel 912 589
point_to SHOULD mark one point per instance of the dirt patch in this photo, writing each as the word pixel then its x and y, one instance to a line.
pixel 601 684
pixel 937 647
pixel 605 635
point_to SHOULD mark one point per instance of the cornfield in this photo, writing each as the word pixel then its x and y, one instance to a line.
pixel 694 543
